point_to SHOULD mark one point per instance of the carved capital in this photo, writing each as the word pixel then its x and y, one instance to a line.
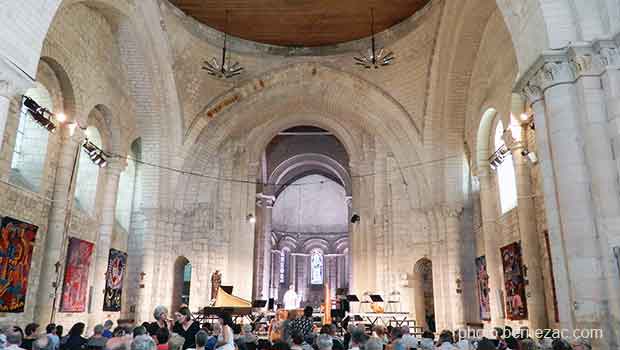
pixel 348 200
pixel 532 92
pixel 609 55
pixel 452 211
pixel 266 201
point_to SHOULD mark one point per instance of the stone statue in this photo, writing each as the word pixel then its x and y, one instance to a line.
pixel 216 282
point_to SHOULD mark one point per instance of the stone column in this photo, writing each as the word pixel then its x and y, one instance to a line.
pixel 106 230
pixel 452 215
pixel 488 208
pixel 579 234
pixel 349 270
pixel 537 313
pixel 56 240
pixel 263 245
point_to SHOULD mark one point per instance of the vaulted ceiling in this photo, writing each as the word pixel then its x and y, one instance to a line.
pixel 299 22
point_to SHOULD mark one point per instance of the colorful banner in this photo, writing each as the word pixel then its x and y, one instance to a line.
pixel 16 245
pixel 482 277
pixel 117 262
pixel 514 283
pixel 75 286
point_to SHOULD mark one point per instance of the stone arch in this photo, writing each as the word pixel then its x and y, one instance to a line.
pixel 422 276
pixel 68 106
pixel 483 145
pixel 178 287
pixel 301 165
pixel 315 243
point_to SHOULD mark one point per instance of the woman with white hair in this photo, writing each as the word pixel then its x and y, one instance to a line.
pixel 161 319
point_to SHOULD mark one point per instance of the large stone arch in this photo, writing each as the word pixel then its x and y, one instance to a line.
pixel 307 93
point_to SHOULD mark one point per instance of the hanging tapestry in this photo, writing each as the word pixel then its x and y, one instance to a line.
pixel 117 262
pixel 514 283
pixel 16 244
pixel 482 278
pixel 75 286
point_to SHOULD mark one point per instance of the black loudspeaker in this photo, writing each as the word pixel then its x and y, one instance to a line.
pixel 355 218
pixel 272 303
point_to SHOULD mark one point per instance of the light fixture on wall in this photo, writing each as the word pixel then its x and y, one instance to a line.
pixel 531 156
pixel 251 218
pixel 39 114
pixel 375 57
pixel 497 158
pixel 355 218
pixel 223 70
pixel 95 153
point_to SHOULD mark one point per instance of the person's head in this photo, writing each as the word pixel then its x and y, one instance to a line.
pixel 138 331
pixel 397 333
pixel 512 342
pixel 374 344
pixel 428 335
pixel 143 342
pixel 77 329
pixel 446 337
pixel 108 324
pixel 184 315
pixel 499 333
pixel 119 332
pixel 50 328
pixel 405 329
pixel 308 310
pixel 529 344
pixel 291 287
pixel 59 330
pixel 160 313
pixel 280 346
pixel 324 342
pixel 201 339
pixel 358 335
pixel 216 329
pixel 560 344
pixel 379 330
pixel 325 329
pixel 298 339
pixel 13 337
pixel 162 335
pixel 486 344
pixel 226 320
pixel 582 344
pixel 176 342
pixel 246 329
pixel 31 329
pixel 98 330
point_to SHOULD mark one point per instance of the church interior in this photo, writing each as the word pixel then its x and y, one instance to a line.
pixel 432 165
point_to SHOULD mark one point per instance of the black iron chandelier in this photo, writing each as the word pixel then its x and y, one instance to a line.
pixel 374 59
pixel 223 69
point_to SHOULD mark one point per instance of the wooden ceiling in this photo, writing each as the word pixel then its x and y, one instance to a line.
pixel 300 22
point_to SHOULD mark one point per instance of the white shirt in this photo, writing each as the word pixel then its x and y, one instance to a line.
pixel 291 301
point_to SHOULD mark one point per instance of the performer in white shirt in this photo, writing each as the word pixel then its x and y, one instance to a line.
pixel 291 300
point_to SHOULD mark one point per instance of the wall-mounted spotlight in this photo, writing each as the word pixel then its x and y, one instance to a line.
pixel 251 219
pixel 531 156
pixel 498 157
pixel 95 153
pixel 40 115
pixel 355 218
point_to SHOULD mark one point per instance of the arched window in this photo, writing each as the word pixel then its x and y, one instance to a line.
pixel 28 162
pixel 87 175
pixel 316 267
pixel 283 254
pixel 124 199
pixel 505 174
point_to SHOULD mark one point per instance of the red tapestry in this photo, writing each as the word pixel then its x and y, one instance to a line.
pixel 75 285
pixel 516 304
pixel 16 244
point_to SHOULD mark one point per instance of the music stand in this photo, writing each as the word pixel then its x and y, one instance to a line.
pixel 259 304
pixel 352 298
pixel 376 298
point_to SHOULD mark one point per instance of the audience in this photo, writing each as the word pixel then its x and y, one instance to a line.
pixel 446 340
pixel 143 342
pixel 30 336
pixel 186 327
pixel 74 340
pixel 201 340
pixel 428 341
pixel 50 330
pixel 97 341
pixel 374 343
pixel 304 324
pixel 247 336
pixel 324 342
pixel 107 329
pixel 408 340
pixel 42 343
pixel 162 336
pixel 14 339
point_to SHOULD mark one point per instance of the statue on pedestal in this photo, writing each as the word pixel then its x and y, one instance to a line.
pixel 216 282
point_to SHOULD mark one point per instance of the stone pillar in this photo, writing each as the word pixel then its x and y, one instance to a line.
pixel 348 258
pixel 452 215
pixel 106 230
pixel 263 245
pixel 56 240
pixel 579 235
pixel 537 313
pixel 488 208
